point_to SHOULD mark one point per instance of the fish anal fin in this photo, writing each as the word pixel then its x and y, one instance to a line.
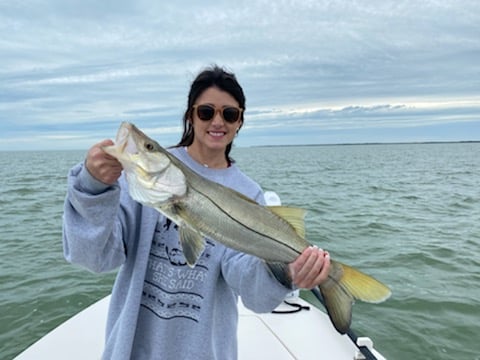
pixel 192 243
pixel 294 216
pixel 281 273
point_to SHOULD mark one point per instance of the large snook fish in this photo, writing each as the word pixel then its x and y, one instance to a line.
pixel 204 209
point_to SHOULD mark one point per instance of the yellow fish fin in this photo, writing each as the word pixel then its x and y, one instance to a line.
pixel 294 216
pixel 364 287
pixel 338 303
pixel 343 286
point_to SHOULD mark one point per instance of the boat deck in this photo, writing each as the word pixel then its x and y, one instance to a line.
pixel 307 334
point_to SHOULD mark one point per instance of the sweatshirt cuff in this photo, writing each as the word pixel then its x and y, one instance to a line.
pixel 89 184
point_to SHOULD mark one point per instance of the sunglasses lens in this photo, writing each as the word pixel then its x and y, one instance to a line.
pixel 231 114
pixel 205 112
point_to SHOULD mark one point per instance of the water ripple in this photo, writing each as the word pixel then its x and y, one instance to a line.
pixel 407 214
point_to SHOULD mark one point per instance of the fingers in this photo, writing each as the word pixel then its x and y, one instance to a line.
pixel 311 268
pixel 101 165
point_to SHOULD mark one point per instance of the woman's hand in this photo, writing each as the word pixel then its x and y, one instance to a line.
pixel 101 165
pixel 310 268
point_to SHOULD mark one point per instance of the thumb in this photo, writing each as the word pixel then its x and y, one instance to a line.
pixel 106 142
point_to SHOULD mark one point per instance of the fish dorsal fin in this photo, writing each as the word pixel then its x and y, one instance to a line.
pixel 193 244
pixel 294 216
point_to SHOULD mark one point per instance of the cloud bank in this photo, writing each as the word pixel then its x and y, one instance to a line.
pixel 312 71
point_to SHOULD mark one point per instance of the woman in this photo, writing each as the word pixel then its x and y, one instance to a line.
pixel 160 307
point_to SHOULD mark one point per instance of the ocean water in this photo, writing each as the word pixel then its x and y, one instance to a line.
pixel 408 214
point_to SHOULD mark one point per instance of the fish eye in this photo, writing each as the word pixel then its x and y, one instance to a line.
pixel 149 146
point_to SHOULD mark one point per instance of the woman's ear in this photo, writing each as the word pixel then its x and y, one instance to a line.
pixel 238 128
pixel 190 117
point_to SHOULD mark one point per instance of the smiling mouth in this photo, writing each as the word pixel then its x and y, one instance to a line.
pixel 216 133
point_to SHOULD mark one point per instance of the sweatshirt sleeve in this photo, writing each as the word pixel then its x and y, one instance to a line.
pixel 250 278
pixel 93 222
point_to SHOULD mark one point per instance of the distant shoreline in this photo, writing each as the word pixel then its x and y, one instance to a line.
pixel 293 145
pixel 374 143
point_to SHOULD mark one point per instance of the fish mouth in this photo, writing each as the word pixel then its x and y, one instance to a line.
pixel 125 139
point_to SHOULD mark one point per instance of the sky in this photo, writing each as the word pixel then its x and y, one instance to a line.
pixel 314 72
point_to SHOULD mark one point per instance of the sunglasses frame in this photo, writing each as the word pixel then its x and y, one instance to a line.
pixel 219 110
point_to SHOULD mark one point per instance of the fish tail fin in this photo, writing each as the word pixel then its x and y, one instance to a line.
pixel 345 285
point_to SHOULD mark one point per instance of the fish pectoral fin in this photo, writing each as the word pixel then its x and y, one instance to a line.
pixel 294 216
pixel 192 243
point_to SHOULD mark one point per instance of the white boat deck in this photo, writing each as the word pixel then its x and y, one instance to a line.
pixel 303 335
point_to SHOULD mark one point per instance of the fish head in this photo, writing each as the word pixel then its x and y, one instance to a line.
pixel 151 175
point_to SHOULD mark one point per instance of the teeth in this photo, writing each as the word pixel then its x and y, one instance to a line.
pixel 216 133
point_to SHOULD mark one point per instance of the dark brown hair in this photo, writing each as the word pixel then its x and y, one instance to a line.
pixel 214 76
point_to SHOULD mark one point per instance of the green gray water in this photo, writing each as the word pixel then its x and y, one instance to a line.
pixel 408 214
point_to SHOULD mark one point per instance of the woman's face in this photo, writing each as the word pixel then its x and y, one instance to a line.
pixel 216 133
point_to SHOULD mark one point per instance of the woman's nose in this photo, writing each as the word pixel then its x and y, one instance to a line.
pixel 217 118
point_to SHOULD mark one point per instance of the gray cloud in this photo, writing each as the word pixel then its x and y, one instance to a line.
pixel 70 70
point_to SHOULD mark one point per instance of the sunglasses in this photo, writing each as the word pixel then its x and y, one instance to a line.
pixel 207 112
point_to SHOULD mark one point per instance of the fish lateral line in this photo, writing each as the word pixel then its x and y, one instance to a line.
pixel 285 245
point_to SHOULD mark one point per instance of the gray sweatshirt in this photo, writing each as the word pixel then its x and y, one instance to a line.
pixel 161 308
